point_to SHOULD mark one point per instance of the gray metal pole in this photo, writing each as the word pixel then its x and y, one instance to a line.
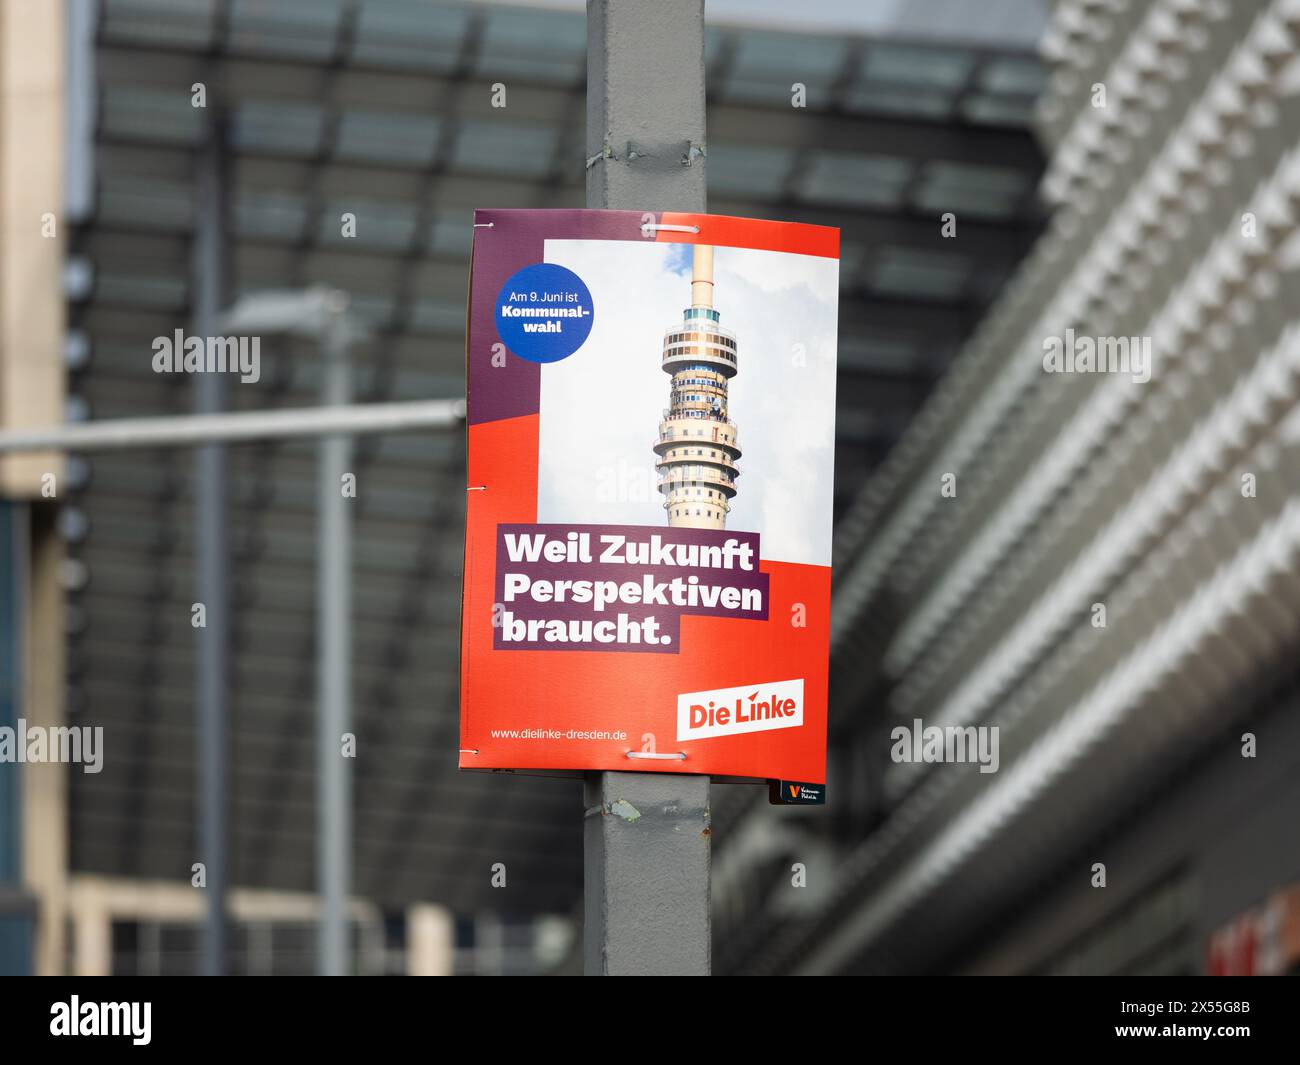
pixel 334 658
pixel 212 549
pixel 646 835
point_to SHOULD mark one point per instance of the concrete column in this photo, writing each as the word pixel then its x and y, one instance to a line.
pixel 32 241
pixel 430 941
pixel 45 785
pixel 31 234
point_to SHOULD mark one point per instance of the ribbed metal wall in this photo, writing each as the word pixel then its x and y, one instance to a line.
pixel 1176 208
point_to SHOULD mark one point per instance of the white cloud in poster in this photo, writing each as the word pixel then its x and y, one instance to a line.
pixel 601 406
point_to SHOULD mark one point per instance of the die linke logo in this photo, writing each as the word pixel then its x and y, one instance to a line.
pixel 735 711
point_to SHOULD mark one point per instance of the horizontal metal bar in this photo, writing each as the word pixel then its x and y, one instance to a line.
pixel 190 429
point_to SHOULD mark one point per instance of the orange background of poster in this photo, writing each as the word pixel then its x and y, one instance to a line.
pixel 635 692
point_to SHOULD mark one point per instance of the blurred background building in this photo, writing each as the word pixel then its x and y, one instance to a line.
pixel 1163 206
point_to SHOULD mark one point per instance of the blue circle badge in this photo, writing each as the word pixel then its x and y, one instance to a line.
pixel 544 313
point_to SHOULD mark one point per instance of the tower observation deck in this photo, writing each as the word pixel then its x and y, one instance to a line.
pixel 697 447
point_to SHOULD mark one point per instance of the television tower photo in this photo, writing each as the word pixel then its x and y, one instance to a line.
pixel 697 447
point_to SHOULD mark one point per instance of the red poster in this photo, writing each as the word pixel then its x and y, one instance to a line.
pixel 651 427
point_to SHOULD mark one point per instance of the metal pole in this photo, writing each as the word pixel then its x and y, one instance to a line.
pixel 334 657
pixel 212 549
pixel 120 434
pixel 646 835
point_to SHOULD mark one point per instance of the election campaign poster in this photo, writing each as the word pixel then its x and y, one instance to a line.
pixel 651 426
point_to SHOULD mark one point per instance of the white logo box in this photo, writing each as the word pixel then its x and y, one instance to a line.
pixel 735 711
